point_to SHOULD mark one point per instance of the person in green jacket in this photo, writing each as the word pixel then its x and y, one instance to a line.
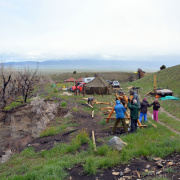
pixel 134 114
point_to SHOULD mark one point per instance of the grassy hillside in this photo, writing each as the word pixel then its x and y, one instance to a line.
pixel 167 78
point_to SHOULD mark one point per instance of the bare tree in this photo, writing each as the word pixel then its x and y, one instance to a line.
pixel 5 78
pixel 26 80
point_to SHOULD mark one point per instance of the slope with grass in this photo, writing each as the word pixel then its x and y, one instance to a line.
pixel 167 78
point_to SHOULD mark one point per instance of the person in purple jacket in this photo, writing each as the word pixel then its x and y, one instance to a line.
pixel 120 110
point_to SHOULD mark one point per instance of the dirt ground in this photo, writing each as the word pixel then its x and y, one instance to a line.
pixel 86 122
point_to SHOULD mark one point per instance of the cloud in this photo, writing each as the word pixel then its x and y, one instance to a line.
pixel 104 29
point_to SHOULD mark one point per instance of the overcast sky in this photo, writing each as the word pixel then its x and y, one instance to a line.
pixel 89 29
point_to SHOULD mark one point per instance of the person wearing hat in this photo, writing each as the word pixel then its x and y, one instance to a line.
pixel 143 109
pixel 135 96
pixel 134 114
pixel 156 107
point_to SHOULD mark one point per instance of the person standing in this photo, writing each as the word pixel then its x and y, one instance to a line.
pixel 120 110
pixel 134 114
pixel 143 109
pixel 156 107
pixel 135 96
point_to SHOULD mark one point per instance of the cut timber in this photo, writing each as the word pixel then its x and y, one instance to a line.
pixel 115 118
pixel 85 98
pixel 92 114
pixel 130 126
pixel 94 143
pixel 102 103
pixel 110 115
pixel 89 105
pixel 152 124
pixel 139 123
pixel 106 108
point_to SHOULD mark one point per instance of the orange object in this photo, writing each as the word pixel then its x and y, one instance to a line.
pixel 157 96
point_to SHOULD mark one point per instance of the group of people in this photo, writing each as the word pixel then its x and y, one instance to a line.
pixel 135 106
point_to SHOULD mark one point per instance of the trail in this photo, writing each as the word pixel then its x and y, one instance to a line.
pixel 170 115
pixel 149 114
pixel 164 124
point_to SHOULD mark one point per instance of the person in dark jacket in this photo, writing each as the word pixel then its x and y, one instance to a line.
pixel 134 114
pixel 156 107
pixel 120 110
pixel 143 109
pixel 135 96
pixel 90 100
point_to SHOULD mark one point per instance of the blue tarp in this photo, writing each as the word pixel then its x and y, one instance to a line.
pixel 169 98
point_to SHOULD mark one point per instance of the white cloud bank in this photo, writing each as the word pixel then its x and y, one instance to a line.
pixel 102 29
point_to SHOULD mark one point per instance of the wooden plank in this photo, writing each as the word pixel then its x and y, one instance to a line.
pixel 89 105
pixel 115 118
pixel 107 119
pixel 102 103
pixel 92 114
pixel 130 126
pixel 94 143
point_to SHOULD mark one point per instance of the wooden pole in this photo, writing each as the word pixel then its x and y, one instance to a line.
pixel 94 143
pixel 92 114
pixel 152 124
pixel 110 115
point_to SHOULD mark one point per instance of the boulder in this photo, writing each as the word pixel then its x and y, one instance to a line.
pixel 116 143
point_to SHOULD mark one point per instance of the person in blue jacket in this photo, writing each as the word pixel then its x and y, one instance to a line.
pixel 120 110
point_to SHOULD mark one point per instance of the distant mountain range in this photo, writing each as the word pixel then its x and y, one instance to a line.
pixel 85 65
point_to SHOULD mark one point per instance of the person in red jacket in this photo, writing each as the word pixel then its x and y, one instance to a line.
pixel 156 107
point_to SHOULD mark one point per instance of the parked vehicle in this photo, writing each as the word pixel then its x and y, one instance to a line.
pixel 116 84
pixel 79 87
pixel 88 79
pixel 110 82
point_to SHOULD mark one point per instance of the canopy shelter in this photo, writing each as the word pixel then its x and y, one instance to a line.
pixel 79 80
pixel 71 79
pixel 98 86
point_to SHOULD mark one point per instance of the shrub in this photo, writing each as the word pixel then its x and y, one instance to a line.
pixel 162 67
pixel 64 104
pixel 74 72
pixel 55 90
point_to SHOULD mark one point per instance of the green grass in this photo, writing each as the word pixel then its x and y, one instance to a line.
pixel 52 164
pixel 58 127
pixel 170 78
pixel 169 121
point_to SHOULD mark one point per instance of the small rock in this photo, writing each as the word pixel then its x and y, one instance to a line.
pixel 70 178
pixel 157 159
pixel 101 175
pixel 69 168
pixel 150 173
pixel 147 166
pixel 145 170
pixel 128 165
pixel 121 178
pixel 136 173
pixel 121 173
pixel 159 172
pixel 127 177
pixel 126 170
pixel 96 178
pixel 159 165
pixel 115 173
pixel 169 164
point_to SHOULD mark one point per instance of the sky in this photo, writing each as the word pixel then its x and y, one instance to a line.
pixel 89 29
